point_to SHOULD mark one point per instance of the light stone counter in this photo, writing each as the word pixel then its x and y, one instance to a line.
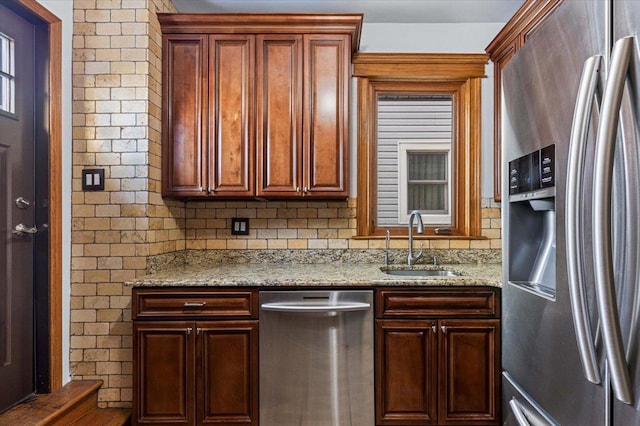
pixel 324 274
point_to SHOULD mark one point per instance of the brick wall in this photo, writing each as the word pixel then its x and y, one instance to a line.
pixel 116 126
pixel 307 225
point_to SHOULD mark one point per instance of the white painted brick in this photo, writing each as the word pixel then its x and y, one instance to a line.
pixel 123 93
pixel 98 145
pixel 134 133
pixel 134 106
pixel 134 80
pixel 97 93
pixel 108 132
pixel 128 145
pixel 108 29
pixel 108 159
pixel 123 67
pixel 134 158
pixel 123 171
pixel 107 106
pixel 123 119
pixel 134 28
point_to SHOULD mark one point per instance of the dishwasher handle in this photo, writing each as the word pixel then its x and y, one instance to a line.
pixel 298 307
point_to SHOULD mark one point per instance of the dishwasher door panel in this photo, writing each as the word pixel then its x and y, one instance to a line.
pixel 316 358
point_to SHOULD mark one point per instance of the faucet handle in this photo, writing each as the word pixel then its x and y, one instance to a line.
pixel 419 255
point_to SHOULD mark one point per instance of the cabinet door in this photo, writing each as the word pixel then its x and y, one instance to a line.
pixel 184 169
pixel 326 110
pixel 406 372
pixel 279 112
pixel 230 115
pixel 163 374
pixel 469 372
pixel 227 384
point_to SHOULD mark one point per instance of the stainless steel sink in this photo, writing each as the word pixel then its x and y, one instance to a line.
pixel 421 272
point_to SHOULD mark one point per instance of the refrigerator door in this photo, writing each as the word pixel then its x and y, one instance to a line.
pixel 626 205
pixel 540 87
pixel 519 408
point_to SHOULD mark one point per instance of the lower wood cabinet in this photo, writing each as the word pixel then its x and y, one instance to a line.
pixel 194 372
pixel 437 356
pixel 435 366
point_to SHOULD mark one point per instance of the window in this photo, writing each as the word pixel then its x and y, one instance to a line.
pixel 415 135
pixel 7 75
pixel 424 176
pixel 419 142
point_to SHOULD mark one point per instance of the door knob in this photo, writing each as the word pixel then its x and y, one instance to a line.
pixel 22 203
pixel 22 229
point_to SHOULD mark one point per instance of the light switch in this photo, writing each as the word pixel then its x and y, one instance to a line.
pixel 93 180
pixel 239 226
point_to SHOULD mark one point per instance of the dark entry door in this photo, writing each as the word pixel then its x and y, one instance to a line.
pixel 17 207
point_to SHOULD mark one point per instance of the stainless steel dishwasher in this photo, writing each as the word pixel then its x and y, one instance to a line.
pixel 316 358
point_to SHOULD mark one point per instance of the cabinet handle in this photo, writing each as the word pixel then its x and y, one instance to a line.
pixel 194 304
pixel 435 329
pixel 297 189
pixel 189 329
pixel 198 330
pixel 202 189
pixel 305 190
pixel 444 329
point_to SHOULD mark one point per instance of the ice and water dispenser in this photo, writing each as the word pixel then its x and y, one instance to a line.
pixel 532 222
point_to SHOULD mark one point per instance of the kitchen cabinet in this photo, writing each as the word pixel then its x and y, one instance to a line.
pixel 195 356
pixel 257 105
pixel 526 21
pixel 208 115
pixel 304 81
pixel 437 357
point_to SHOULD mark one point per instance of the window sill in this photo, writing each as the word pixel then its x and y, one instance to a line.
pixel 421 237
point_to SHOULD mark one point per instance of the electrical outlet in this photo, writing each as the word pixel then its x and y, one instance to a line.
pixel 93 180
pixel 239 226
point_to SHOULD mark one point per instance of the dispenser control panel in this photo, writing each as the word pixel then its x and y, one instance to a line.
pixel 533 175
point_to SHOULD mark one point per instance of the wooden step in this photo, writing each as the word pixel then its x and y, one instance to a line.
pixel 105 417
pixel 73 404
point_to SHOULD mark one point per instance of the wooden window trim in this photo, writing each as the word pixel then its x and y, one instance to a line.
pixel 456 74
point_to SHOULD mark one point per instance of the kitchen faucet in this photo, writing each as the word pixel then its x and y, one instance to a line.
pixel 411 259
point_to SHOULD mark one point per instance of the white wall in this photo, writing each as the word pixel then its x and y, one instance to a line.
pixel 63 9
pixel 434 38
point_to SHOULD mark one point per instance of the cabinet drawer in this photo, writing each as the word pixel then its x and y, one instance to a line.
pixel 162 303
pixel 393 303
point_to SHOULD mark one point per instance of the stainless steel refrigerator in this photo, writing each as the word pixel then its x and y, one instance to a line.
pixel 571 219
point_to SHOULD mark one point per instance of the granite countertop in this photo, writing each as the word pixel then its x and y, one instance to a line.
pixel 316 274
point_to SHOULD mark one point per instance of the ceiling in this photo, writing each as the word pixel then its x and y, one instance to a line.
pixel 375 11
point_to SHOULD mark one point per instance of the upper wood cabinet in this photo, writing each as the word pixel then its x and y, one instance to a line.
pixel 526 21
pixel 208 116
pixel 256 105
pixel 303 92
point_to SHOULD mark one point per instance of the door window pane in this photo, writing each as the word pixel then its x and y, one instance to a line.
pixel 7 74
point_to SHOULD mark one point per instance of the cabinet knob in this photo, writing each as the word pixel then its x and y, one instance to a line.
pixel 297 189
pixel 435 330
pixel 444 329
pixel 305 190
